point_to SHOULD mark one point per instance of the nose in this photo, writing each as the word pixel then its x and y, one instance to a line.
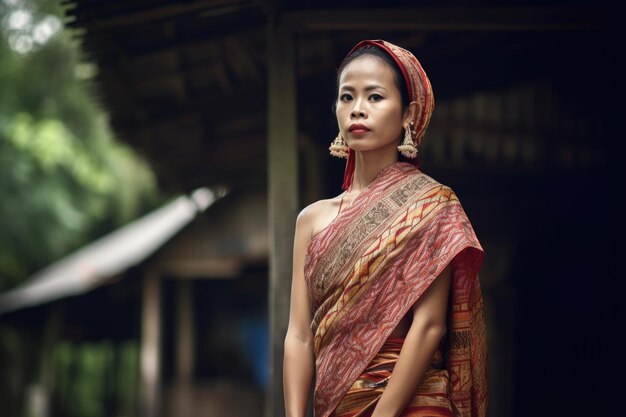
pixel 357 111
pixel 357 114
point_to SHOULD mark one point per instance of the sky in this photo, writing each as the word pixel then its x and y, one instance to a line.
pixel 24 27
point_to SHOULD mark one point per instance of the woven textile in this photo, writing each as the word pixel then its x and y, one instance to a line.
pixel 430 398
pixel 367 268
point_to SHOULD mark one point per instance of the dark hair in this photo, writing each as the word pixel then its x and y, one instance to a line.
pixel 381 54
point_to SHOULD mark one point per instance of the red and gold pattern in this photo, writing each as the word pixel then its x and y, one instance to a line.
pixel 430 399
pixel 367 268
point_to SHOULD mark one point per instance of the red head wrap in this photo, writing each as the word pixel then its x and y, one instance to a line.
pixel 419 88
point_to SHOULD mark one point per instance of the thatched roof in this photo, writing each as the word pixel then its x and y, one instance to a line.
pixel 185 82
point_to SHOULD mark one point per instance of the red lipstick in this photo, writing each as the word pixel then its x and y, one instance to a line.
pixel 358 128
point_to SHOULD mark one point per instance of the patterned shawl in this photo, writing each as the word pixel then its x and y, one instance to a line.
pixel 366 269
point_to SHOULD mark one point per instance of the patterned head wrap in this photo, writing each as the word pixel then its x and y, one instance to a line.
pixel 419 88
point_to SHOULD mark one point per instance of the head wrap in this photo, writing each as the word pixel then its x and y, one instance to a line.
pixel 419 88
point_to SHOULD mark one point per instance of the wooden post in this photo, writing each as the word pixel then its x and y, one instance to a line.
pixel 150 355
pixel 184 349
pixel 313 168
pixel 282 200
pixel 40 395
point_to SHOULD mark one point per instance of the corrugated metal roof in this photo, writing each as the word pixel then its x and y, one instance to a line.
pixel 92 265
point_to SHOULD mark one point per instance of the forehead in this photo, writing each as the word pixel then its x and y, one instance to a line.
pixel 369 69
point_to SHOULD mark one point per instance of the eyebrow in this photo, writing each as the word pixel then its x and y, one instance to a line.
pixel 368 88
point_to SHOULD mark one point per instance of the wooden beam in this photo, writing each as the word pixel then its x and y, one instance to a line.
pixel 185 343
pixel 210 108
pixel 50 337
pixel 150 355
pixel 203 268
pixel 107 55
pixel 481 18
pixel 98 20
pixel 314 169
pixel 283 199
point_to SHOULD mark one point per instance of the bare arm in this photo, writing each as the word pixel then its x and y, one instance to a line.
pixel 421 342
pixel 298 364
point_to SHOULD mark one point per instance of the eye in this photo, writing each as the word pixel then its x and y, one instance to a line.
pixel 376 97
pixel 345 97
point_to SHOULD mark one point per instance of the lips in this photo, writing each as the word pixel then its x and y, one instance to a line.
pixel 359 128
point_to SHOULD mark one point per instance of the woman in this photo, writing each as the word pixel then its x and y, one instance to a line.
pixel 386 306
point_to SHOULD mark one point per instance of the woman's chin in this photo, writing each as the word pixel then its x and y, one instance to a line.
pixel 366 147
pixel 362 145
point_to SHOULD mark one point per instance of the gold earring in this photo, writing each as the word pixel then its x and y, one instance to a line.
pixel 408 148
pixel 339 147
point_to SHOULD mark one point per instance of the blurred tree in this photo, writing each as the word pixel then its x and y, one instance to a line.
pixel 64 180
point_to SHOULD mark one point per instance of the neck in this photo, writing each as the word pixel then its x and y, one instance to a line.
pixel 369 163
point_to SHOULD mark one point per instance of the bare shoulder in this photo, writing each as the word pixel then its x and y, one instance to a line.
pixel 317 215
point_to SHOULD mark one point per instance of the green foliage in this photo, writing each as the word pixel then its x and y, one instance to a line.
pixel 89 374
pixel 48 147
pixel 64 180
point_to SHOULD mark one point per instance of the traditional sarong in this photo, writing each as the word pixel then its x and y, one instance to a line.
pixel 430 399
pixel 368 267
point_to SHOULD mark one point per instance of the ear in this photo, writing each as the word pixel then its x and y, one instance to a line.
pixel 409 113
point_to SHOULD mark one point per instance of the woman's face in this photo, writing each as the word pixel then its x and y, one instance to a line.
pixel 369 105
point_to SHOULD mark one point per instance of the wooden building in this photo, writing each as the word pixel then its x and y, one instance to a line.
pixel 238 93
pixel 167 290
